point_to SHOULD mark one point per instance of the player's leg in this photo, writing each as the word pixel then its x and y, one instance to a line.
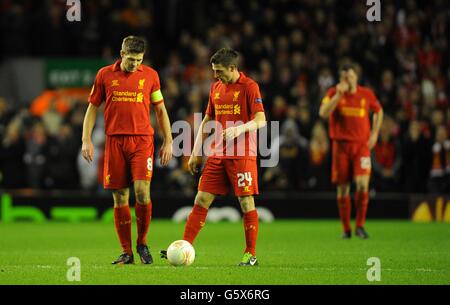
pixel 140 153
pixel 212 182
pixel 197 218
pixel 361 203
pixel 251 230
pixel 143 211
pixel 122 222
pixel 340 177
pixel 116 176
pixel 243 176
pixel 362 169
pixel 345 208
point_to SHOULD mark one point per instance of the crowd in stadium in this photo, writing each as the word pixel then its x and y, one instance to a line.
pixel 291 48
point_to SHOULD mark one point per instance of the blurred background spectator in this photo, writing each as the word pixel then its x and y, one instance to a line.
pixel 290 148
pixel 415 158
pixel 292 48
pixel 440 166
pixel 386 158
pixel 319 159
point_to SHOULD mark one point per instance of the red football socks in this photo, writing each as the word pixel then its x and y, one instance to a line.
pixel 251 231
pixel 143 216
pixel 361 202
pixel 122 221
pixel 345 209
pixel 195 223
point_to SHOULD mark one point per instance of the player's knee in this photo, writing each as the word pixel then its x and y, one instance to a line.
pixel 362 187
pixel 120 197
pixel 203 200
pixel 142 195
pixel 343 190
pixel 362 184
pixel 247 203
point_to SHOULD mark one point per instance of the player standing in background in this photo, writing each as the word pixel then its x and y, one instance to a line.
pixel 347 105
pixel 128 89
pixel 235 99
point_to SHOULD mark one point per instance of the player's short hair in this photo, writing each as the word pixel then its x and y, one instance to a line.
pixel 225 57
pixel 350 66
pixel 347 66
pixel 133 44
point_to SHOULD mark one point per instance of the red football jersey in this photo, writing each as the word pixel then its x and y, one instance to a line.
pixel 127 98
pixel 350 120
pixel 231 105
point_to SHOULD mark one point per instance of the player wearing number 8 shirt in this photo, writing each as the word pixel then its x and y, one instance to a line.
pixel 129 89
pixel 348 105
pixel 233 100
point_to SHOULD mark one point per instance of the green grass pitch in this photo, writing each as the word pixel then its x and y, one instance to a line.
pixel 289 251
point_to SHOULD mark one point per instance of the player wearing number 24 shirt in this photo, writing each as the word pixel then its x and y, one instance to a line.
pixel 129 89
pixel 348 106
pixel 235 111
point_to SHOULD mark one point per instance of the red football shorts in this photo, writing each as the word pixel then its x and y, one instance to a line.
pixel 349 156
pixel 127 158
pixel 220 173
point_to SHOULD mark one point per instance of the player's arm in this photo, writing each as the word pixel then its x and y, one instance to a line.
pixel 87 148
pixel 196 156
pixel 377 120
pixel 234 132
pixel 326 108
pixel 162 117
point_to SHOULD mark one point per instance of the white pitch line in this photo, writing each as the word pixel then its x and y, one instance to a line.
pixel 307 269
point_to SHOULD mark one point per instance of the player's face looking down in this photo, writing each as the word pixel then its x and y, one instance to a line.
pixel 131 61
pixel 224 74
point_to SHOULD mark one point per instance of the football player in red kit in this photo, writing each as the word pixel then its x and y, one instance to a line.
pixel 234 100
pixel 347 106
pixel 129 89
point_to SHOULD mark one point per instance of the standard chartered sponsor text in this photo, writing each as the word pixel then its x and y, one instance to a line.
pixel 127 96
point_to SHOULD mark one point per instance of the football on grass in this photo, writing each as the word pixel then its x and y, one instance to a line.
pixel 180 253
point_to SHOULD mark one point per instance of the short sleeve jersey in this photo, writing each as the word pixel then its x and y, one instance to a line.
pixel 350 120
pixel 232 105
pixel 127 98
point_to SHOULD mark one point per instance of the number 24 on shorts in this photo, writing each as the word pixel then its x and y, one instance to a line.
pixel 247 176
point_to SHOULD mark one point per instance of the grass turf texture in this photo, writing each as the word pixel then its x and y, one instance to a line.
pixel 290 252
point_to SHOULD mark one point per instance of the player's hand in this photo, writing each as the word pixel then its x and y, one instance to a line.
pixel 193 164
pixel 372 140
pixel 165 154
pixel 231 133
pixel 342 87
pixel 87 151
